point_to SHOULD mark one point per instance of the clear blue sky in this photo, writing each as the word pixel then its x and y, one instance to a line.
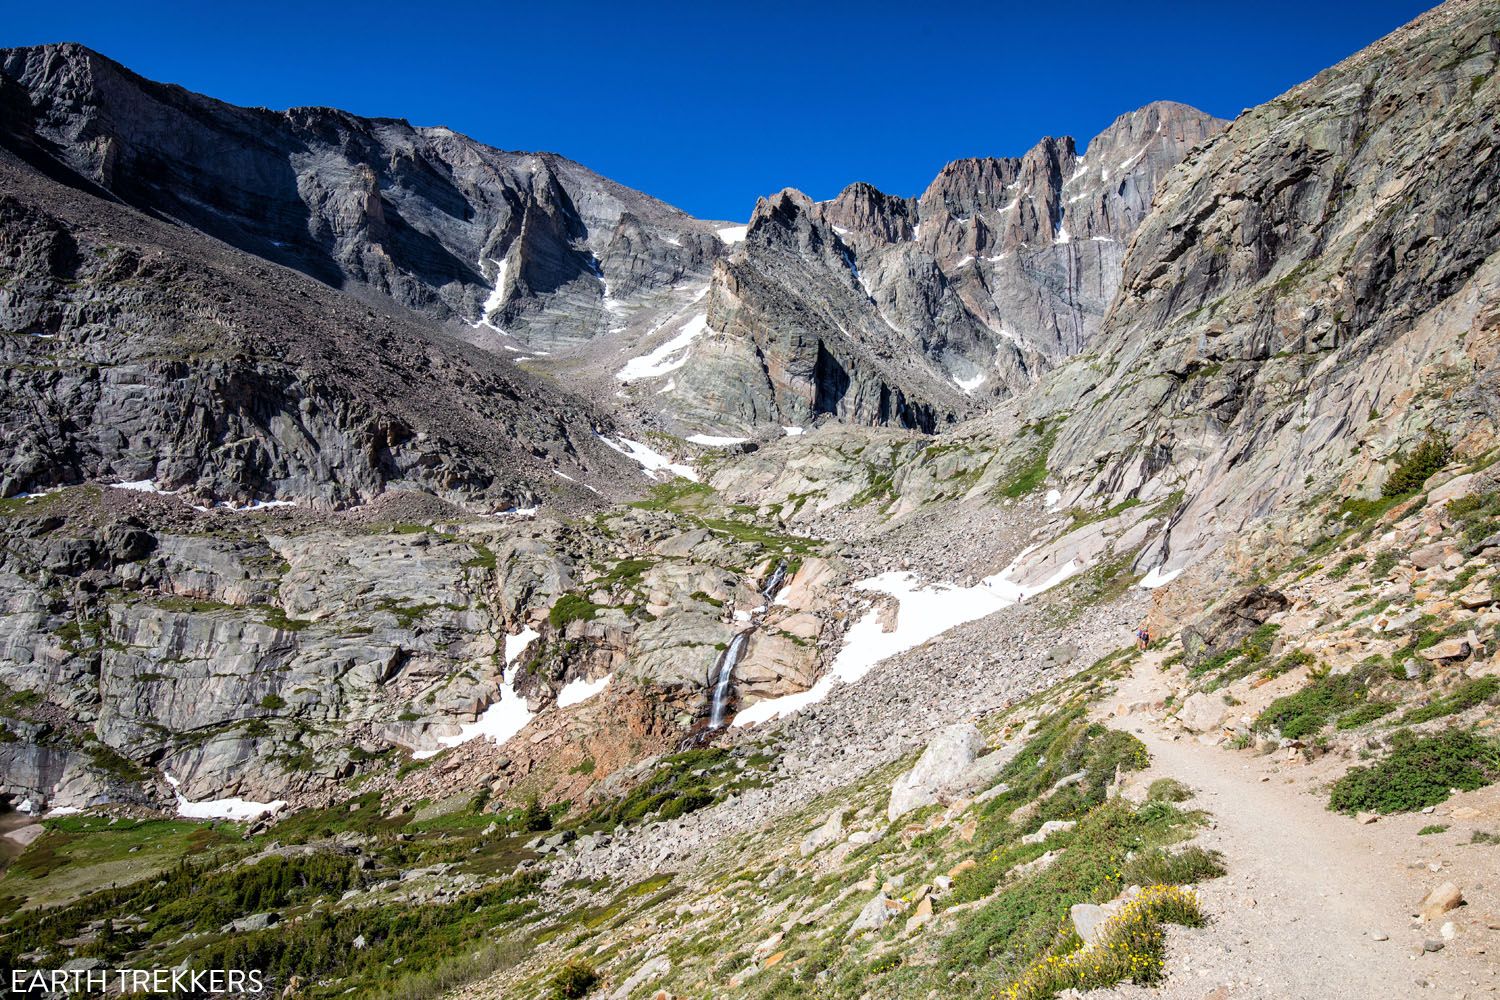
pixel 708 105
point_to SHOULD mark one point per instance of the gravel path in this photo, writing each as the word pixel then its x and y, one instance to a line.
pixel 1309 891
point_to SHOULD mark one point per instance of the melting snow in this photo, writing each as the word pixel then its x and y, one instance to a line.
pixel 233 808
pixel 792 432
pixel 504 718
pixel 964 260
pixel 649 458
pixel 926 611
pixel 496 297
pixel 1133 160
pixel 668 357
pixel 714 441
pixel 576 691
pixel 970 384
pixel 142 486
pixel 1158 578
pixel 1054 497
pixel 733 234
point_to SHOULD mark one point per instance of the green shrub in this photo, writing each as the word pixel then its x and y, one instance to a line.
pixel 1345 565
pixel 1464 697
pixel 1184 867
pixel 535 819
pixel 1384 563
pixel 1414 469
pixel 1168 790
pixel 1307 711
pixel 1418 773
pixel 1432 828
pixel 574 980
pixel 570 608
pixel 1131 947
pixel 1368 712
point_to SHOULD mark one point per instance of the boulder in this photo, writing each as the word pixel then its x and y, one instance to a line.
pixel 1429 556
pixel 941 767
pixel 1047 829
pixel 1440 900
pixel 1454 489
pixel 1456 648
pixel 651 969
pixel 1227 625
pixel 831 831
pixel 1202 712
pixel 1088 920
pixel 875 914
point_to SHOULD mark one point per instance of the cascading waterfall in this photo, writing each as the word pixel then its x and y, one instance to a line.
pixel 730 658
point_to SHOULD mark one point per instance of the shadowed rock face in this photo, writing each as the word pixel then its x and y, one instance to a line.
pixel 135 350
pixel 913 311
pixel 532 244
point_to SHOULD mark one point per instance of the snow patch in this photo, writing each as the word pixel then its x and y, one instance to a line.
pixel 142 486
pixel 669 356
pixel 792 432
pixel 231 808
pixel 578 691
pixel 970 384
pixel 1054 497
pixel 732 234
pixel 714 441
pixel 502 719
pixel 1158 578
pixel 926 610
pixel 649 458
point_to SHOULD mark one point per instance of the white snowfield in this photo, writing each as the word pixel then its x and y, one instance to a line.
pixel 504 718
pixel 649 458
pixel 233 808
pixel 926 610
pixel 715 441
pixel 574 692
pixel 669 357
pixel 496 298
pixel 733 234
pixel 1159 577
pixel 969 384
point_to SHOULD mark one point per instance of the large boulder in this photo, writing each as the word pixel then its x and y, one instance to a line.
pixel 1227 625
pixel 950 766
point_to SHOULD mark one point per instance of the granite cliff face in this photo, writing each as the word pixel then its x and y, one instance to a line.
pixel 915 312
pixel 1311 297
pixel 530 244
pixel 136 350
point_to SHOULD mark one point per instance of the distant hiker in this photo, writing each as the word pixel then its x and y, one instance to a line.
pixel 1142 637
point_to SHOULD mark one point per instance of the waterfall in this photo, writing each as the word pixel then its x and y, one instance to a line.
pixel 730 658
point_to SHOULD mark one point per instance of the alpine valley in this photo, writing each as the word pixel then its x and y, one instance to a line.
pixel 428 570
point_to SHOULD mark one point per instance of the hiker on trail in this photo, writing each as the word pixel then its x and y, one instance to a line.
pixel 1143 637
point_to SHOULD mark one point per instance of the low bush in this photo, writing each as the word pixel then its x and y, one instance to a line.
pixel 1307 711
pixel 1414 468
pixel 1418 772
pixel 1368 712
pixel 1464 697
pixel 574 980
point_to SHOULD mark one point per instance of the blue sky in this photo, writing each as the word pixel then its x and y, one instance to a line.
pixel 709 105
